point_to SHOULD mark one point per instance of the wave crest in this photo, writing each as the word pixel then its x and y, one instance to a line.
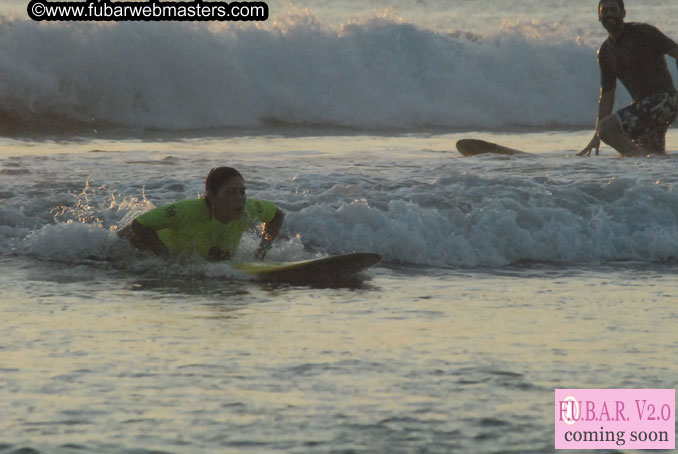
pixel 378 74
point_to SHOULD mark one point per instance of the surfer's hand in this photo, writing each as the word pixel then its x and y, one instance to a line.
pixel 264 247
pixel 594 144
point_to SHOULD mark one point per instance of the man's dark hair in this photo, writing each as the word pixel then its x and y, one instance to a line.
pixel 219 176
pixel 619 2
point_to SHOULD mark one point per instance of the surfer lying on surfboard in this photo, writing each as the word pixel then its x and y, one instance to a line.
pixel 210 227
pixel 634 54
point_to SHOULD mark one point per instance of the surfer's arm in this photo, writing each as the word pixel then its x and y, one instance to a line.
pixel 270 233
pixel 145 238
pixel 605 106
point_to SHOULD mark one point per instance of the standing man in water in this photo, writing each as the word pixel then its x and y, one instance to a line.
pixel 634 53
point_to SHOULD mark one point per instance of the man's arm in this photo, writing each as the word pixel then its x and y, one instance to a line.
pixel 605 106
pixel 270 233
pixel 145 238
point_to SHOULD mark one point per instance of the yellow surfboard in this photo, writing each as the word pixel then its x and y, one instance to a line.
pixel 332 268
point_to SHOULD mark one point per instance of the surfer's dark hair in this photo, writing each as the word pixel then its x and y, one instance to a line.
pixel 218 177
pixel 619 2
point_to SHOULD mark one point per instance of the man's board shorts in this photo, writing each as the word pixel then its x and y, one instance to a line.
pixel 647 120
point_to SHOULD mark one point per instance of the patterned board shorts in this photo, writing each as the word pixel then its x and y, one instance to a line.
pixel 647 120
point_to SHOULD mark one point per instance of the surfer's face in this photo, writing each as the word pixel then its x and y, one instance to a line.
pixel 611 15
pixel 228 203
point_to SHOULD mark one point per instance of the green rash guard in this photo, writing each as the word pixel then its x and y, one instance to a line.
pixel 187 228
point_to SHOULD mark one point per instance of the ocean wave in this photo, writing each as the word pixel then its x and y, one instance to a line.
pixel 378 74
pixel 450 218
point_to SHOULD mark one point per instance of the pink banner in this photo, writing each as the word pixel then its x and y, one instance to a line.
pixel 615 418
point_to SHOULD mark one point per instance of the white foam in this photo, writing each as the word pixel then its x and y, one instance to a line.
pixel 72 241
pixel 377 74
pixel 483 224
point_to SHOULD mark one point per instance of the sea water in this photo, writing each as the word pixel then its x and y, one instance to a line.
pixel 503 278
